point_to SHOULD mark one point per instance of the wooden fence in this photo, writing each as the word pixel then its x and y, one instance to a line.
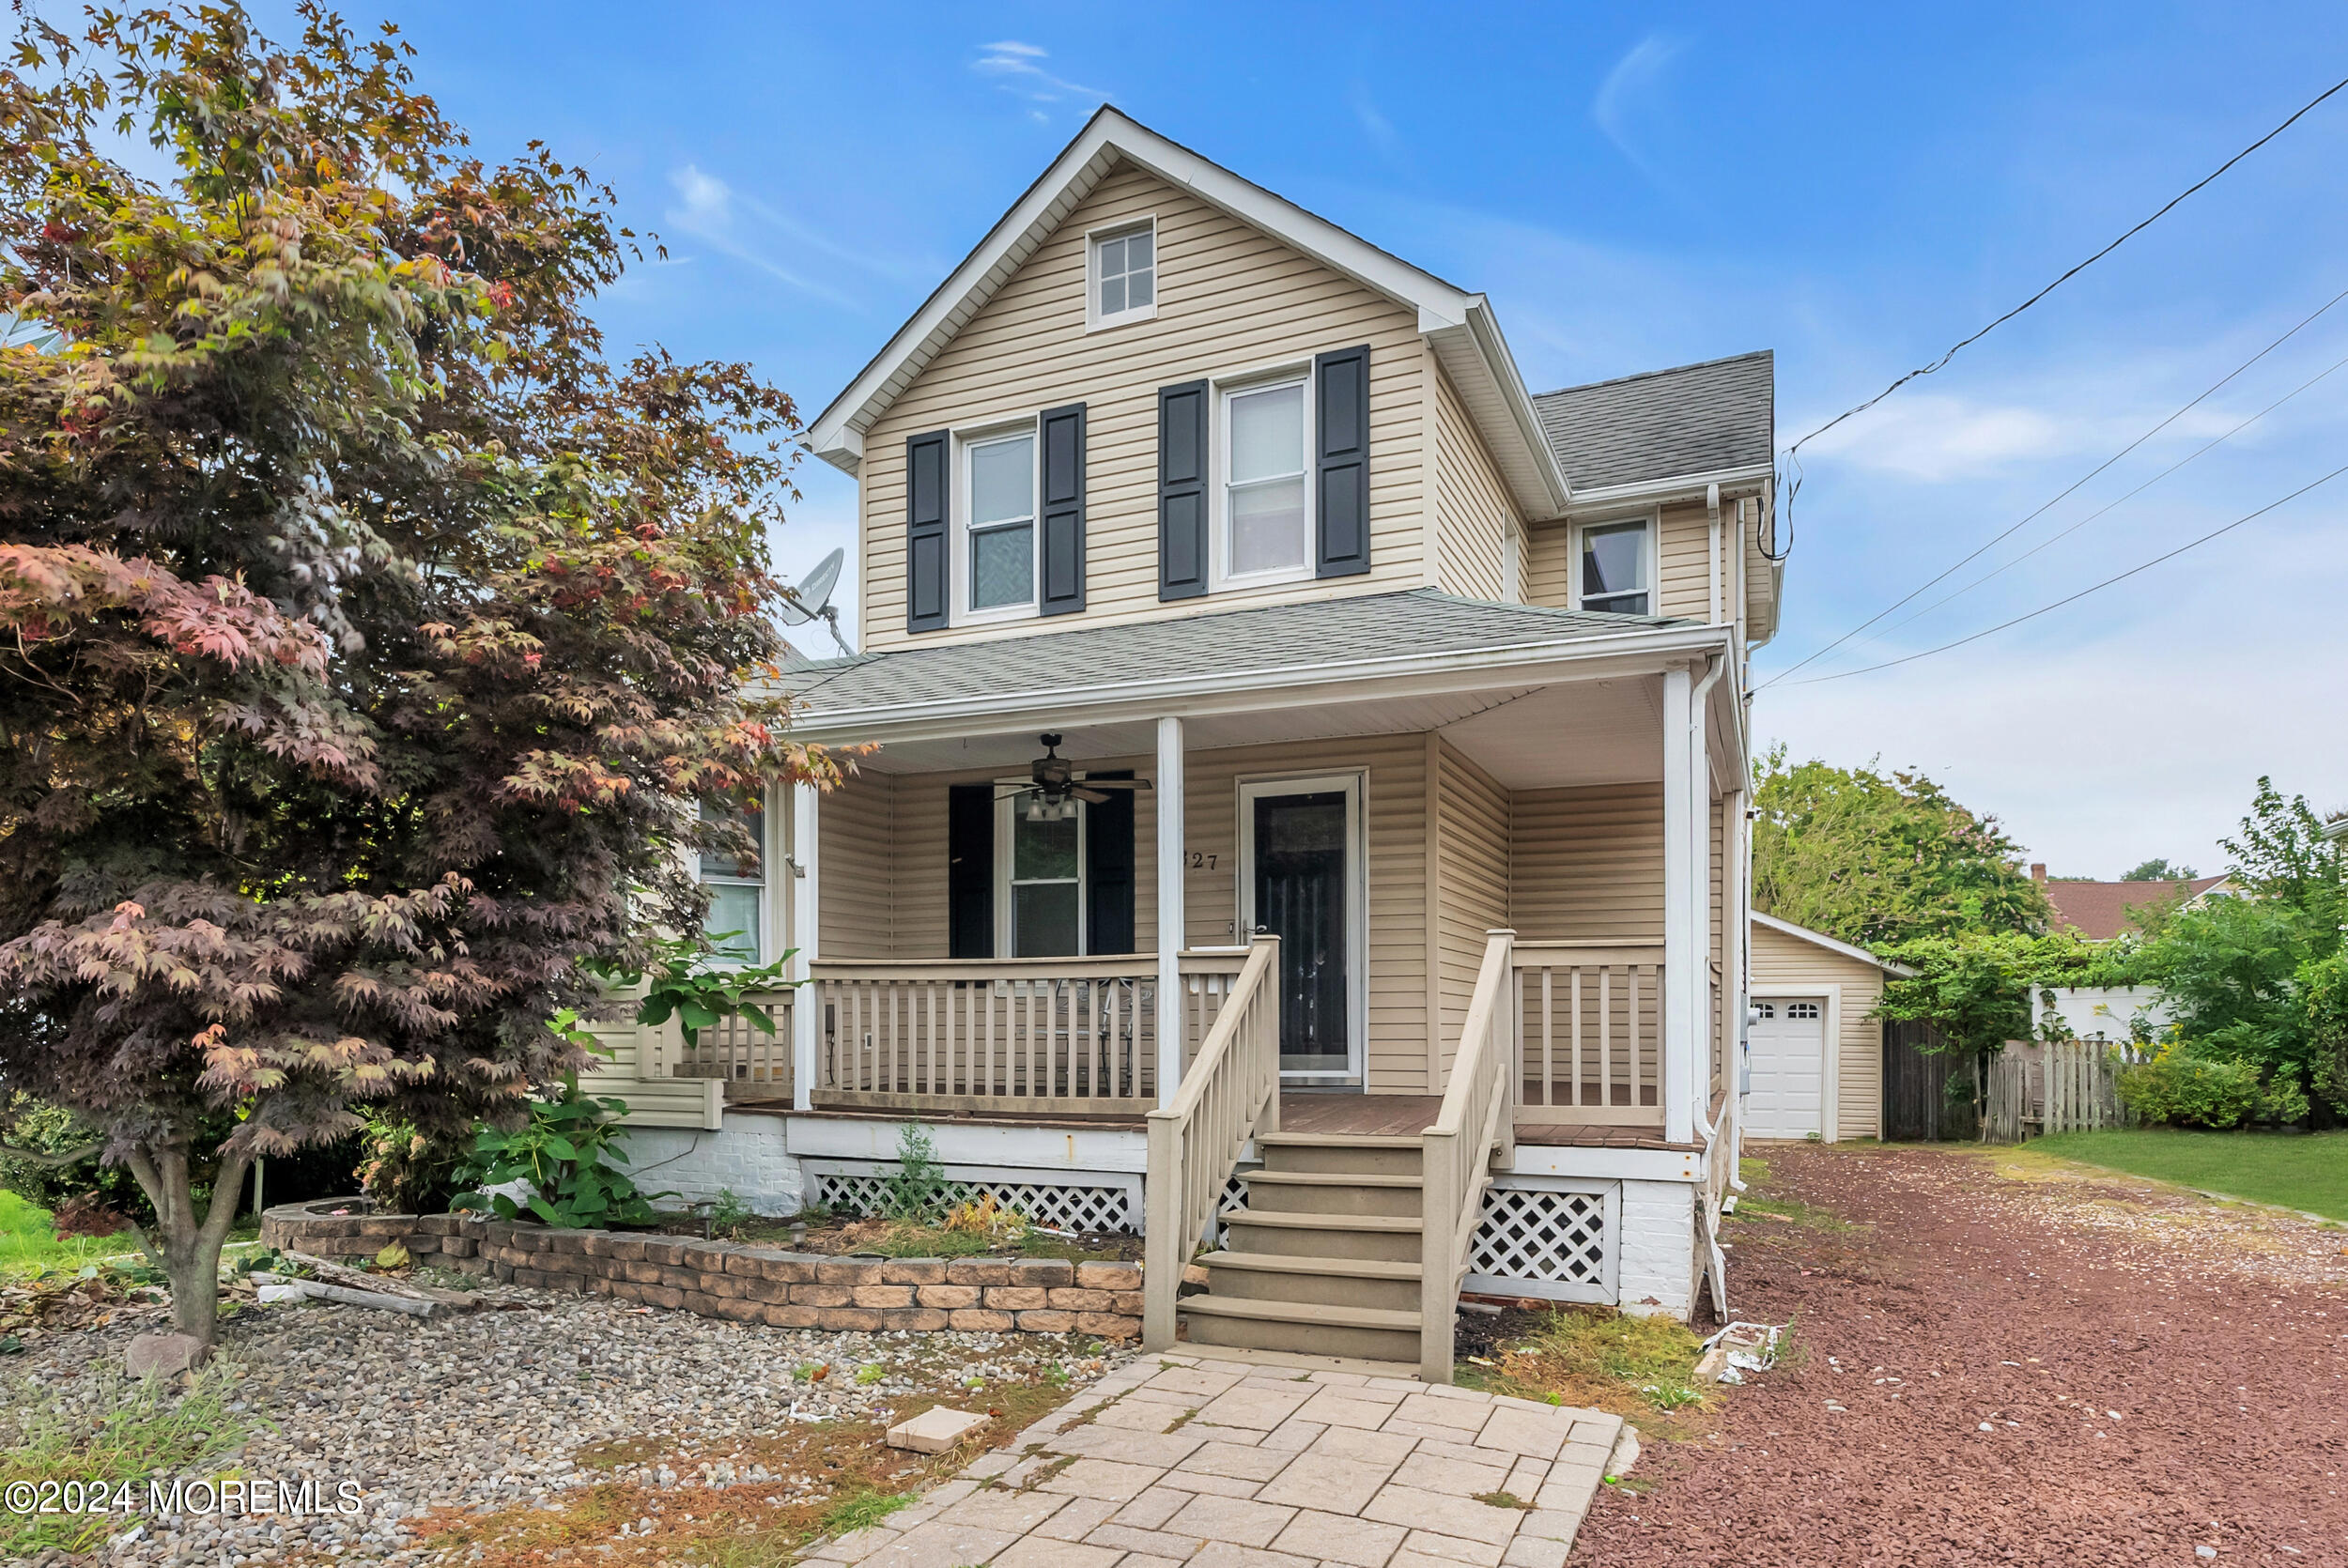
pixel 2036 1087
pixel 1918 1066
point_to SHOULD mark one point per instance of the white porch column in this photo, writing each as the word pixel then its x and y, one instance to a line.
pixel 1682 912
pixel 1171 925
pixel 805 1015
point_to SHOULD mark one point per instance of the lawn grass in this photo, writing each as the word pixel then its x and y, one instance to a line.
pixel 1599 1358
pixel 29 1244
pixel 2305 1170
pixel 150 1427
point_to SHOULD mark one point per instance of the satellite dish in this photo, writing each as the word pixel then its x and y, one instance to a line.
pixel 811 600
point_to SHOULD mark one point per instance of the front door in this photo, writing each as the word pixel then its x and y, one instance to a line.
pixel 1301 888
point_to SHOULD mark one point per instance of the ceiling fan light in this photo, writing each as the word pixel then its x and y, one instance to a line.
pixel 1035 808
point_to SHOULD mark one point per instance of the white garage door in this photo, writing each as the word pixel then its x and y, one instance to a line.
pixel 1789 1096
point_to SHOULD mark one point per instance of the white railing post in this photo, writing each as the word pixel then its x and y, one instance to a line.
pixel 807 1018
pixel 1510 1043
pixel 1162 1246
pixel 1681 914
pixel 1171 918
pixel 1438 1300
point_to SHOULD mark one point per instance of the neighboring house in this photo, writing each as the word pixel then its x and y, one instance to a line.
pixel 1219 576
pixel 2103 912
pixel 1814 1048
pixel 2100 910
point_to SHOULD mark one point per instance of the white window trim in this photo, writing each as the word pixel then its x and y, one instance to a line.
pixel 1221 578
pixel 1007 808
pixel 1356 785
pixel 1654 558
pixel 958 568
pixel 1094 320
pixel 773 867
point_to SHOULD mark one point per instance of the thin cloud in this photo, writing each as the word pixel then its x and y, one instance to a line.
pixel 1018 69
pixel 1373 121
pixel 710 210
pixel 1628 89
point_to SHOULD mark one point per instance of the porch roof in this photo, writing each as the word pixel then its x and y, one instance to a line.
pixel 1222 646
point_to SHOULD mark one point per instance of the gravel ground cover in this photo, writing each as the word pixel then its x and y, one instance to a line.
pixel 541 1408
pixel 1998 1359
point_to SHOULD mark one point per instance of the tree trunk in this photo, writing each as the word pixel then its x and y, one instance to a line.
pixel 186 1246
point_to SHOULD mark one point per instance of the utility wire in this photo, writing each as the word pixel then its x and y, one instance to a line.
pixel 1793 452
pixel 2058 497
pixel 2094 588
pixel 2058 538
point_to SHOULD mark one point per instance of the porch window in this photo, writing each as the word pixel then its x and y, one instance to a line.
pixel 737 890
pixel 1614 568
pixel 1044 874
pixel 1264 507
pixel 1000 476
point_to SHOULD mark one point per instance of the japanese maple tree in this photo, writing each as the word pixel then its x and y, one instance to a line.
pixel 367 640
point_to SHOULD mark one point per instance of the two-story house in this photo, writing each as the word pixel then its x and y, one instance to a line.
pixel 1307 815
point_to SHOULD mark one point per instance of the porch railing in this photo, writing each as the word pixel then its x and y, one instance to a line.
pixel 1066 1036
pixel 1475 1126
pixel 752 1063
pixel 1590 1016
pixel 1231 1092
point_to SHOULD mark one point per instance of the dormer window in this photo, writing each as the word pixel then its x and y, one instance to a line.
pixel 1123 269
pixel 1615 568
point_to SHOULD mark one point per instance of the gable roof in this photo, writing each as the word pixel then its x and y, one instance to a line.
pixel 1457 324
pixel 2098 911
pixel 1819 939
pixel 1693 421
pixel 1221 649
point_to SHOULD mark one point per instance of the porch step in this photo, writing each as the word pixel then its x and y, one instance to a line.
pixel 1390 1236
pixel 1371 1333
pixel 1340 1153
pixel 1332 1193
pixel 1386 1284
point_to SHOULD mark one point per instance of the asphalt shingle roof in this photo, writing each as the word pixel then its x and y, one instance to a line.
pixel 1695 418
pixel 1291 636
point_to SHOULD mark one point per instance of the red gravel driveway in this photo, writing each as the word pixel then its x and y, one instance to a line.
pixel 2007 1361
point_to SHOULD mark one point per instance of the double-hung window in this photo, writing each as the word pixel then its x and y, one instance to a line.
pixel 1266 512
pixel 1615 571
pixel 999 484
pixel 1125 281
pixel 1041 895
pixel 737 888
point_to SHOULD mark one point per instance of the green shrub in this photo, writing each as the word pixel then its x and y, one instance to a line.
pixel 2282 1101
pixel 2181 1089
pixel 405 1170
pixel 560 1152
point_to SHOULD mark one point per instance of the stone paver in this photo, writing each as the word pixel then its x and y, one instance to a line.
pixel 1184 1461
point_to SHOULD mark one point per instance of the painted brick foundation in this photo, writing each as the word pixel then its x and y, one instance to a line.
pixel 739 1281
pixel 1658 1229
pixel 749 1158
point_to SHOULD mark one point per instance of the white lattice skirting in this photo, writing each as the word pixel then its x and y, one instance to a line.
pixel 1081 1201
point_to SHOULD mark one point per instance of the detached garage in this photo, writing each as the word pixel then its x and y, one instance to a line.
pixel 1815 1054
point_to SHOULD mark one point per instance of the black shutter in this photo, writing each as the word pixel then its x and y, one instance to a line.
pixel 926 489
pixel 1063 510
pixel 1341 422
pixel 1109 871
pixel 970 870
pixel 1182 490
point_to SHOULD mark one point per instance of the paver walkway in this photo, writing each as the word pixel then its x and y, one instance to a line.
pixel 1213 1463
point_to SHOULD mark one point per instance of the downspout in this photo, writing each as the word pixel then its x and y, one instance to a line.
pixel 1716 667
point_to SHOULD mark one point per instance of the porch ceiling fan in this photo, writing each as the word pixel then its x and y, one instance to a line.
pixel 1054 788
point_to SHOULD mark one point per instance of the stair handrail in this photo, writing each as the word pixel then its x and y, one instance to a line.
pixel 1476 1123
pixel 1229 1093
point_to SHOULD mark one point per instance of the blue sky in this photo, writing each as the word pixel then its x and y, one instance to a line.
pixel 1854 187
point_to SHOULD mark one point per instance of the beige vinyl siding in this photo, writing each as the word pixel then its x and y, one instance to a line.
pixel 1549 565
pixel 1586 864
pixel 1684 554
pixel 1788 966
pixel 1470 817
pixel 857 918
pixel 1471 511
pixel 1229 298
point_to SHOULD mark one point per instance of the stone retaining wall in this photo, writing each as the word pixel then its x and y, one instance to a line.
pixel 738 1281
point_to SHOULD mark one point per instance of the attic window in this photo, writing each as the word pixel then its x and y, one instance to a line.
pixel 1124 275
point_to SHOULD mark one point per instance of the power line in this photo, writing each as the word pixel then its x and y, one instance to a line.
pixel 2165 209
pixel 2059 496
pixel 2057 538
pixel 1792 453
pixel 2094 588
